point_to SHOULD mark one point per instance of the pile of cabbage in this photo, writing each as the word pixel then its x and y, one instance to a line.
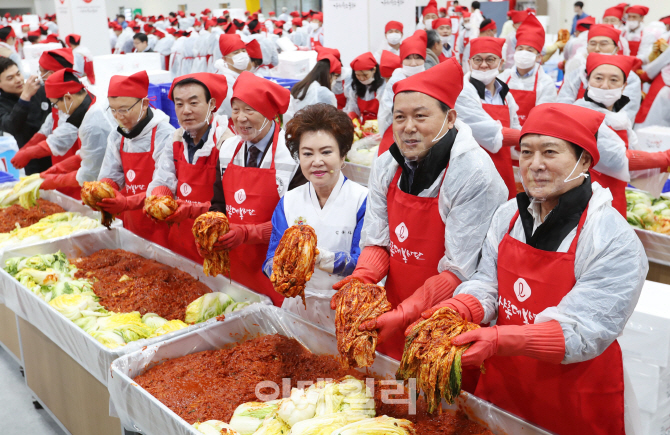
pixel 646 212
pixel 51 277
pixel 50 227
pixel 26 192
pixel 344 407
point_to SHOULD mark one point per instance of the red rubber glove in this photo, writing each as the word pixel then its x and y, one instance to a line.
pixel 71 164
pixel 252 234
pixel 385 324
pixel 639 160
pixel 372 266
pixel 467 306
pixel 201 252
pixel 542 341
pixel 57 181
pixel 25 155
pixel 37 138
pixel 121 203
pixel 187 210
pixel 511 137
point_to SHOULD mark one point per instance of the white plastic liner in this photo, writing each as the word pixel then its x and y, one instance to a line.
pixel 88 352
pixel 141 412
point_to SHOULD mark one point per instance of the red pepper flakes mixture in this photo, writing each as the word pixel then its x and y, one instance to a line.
pixel 14 214
pixel 210 385
pixel 128 282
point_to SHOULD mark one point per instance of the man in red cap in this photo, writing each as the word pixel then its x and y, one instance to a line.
pixel 429 13
pixel 235 60
pixel 654 107
pixel 299 34
pixel 634 32
pixel 132 153
pixel 496 100
pixel 388 64
pixel 516 17
pixel 366 84
pixel 527 81
pixel 560 274
pixel 164 47
pixel 255 170
pixel 7 47
pixel 124 41
pixel 316 34
pixel 83 58
pixel 464 35
pixel 424 224
pixel 443 28
pixel 602 38
pixel 88 124
pixel 486 28
pixel 393 32
pixel 614 17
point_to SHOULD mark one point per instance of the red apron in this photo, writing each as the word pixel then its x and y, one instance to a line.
pixel 524 99
pixel 503 158
pixel 341 99
pixel 387 141
pixel 368 109
pixel 138 171
pixel 88 70
pixel 616 187
pixel 580 92
pixel 575 399
pixel 634 47
pixel 195 183
pixel 656 85
pixel 465 44
pixel 72 192
pixel 258 189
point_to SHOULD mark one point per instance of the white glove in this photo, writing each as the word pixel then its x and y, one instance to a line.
pixel 325 260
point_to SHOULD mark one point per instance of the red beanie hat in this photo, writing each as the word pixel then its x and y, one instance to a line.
pixel 441 22
pixel 73 38
pixel 388 63
pixel 415 44
pixel 295 14
pixel 531 33
pixel 325 50
pixel 429 10
pixel 604 30
pixel 135 86
pixel 364 62
pixel 6 33
pixel 424 82
pixel 393 25
pixel 665 20
pixel 297 21
pixel 551 119
pixel 585 23
pixel 518 16
pixel 489 26
pixel 486 44
pixel 624 63
pixel 264 96
pixel 61 83
pixel 216 84
pixel 335 64
pixel 614 11
pixel 230 43
pixel 254 49
pixel 637 9
pixel 55 60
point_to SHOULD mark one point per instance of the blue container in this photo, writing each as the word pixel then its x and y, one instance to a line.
pixel 155 96
pixel 8 149
pixel 6 178
pixel 167 106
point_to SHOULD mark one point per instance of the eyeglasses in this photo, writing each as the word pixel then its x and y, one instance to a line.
pixel 603 44
pixel 55 104
pixel 123 112
pixel 490 61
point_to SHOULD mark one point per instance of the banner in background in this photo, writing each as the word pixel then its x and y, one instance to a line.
pixel 345 27
pixel 87 18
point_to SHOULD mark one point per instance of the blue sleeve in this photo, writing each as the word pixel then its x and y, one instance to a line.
pixel 345 262
pixel 279 225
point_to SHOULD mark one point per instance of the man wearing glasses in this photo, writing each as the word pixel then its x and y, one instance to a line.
pixel 133 150
pixel 604 39
pixel 493 104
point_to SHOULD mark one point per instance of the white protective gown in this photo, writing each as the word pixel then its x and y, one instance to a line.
pixel 315 94
pixel 659 112
pixel 384 115
pixel 546 88
pixel 177 57
pixel 231 76
pixel 300 37
pixel 190 53
pixel 112 167
pixel 164 47
pixel 508 53
pixel 471 192
pixel 385 46
pixel 200 50
pixel 337 225
pixel 93 132
pixel 124 42
pixel 571 83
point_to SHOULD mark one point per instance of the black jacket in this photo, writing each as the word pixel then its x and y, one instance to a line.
pixel 23 119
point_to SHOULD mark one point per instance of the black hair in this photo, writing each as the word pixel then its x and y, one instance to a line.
pixel 173 14
pixel 141 37
pixel 443 106
pixel 4 32
pixel 320 73
pixel 361 89
pixel 580 4
pixel 475 4
pixel 257 62
pixel 192 81
pixel 433 38
pixel 61 60
pixel 6 63
pixel 455 2
pixel 71 39
pixel 33 39
pixel 121 16
pixel 485 23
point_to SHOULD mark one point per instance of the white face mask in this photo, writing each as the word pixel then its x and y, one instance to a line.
pixel 485 77
pixel 241 61
pixel 314 25
pixel 193 132
pixel 411 70
pixel 337 87
pixel 606 97
pixel 393 38
pixel 632 25
pixel 445 39
pixel 368 81
pixel 524 59
pixel 429 24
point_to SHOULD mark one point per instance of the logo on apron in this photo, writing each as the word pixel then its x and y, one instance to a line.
pixel 300 221
pixel 45 106
pixel 240 196
pixel 185 189
pixel 130 175
pixel 522 290
pixel 401 232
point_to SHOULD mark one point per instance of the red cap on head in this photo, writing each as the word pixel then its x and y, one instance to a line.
pixel 424 82
pixel 264 96
pixel 51 38
pixel 136 85
pixel 335 64
pixel 230 43
pixel 518 16
pixel 585 23
pixel 148 28
pixel 531 33
pixel 624 63
pixel 216 84
pixel 206 11
pixel 295 14
pixel 388 63
pixel 441 22
pixel 159 34
pixel 61 83
pixel 254 49
pixel 272 13
pixel 6 33
pixel 393 25
pixel 325 50
pixel 465 14
pixel 489 26
pixel 193 14
pixel 429 10
pixel 181 14
pixel 197 23
pixel 364 62
pixel 55 60
pixel 637 9
pixel 443 11
pixel 171 30
pixel 605 30
pixel 614 11
pixel 36 33
pixel 297 21
pixel 485 44
pixel 318 17
pixel 551 119
pixel 665 20
pixel 415 44
pixel 73 38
